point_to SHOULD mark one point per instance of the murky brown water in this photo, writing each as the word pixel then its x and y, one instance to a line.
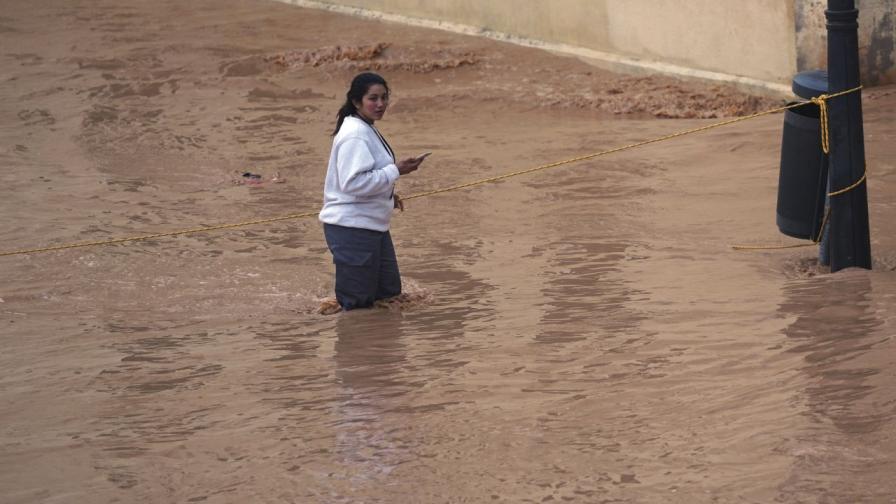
pixel 583 334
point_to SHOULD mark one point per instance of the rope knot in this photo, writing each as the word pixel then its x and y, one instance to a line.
pixel 821 101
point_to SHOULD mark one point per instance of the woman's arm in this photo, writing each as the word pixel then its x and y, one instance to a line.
pixel 358 175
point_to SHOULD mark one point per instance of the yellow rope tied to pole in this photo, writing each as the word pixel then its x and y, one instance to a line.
pixel 822 102
pixel 822 98
pixel 852 186
pixel 817 239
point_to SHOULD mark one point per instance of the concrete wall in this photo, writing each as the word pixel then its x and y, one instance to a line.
pixel 759 43
pixel 877 38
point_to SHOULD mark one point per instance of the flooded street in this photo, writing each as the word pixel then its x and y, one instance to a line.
pixel 580 334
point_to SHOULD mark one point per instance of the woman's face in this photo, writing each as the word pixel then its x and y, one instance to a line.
pixel 373 104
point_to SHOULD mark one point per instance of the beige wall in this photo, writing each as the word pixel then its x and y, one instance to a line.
pixel 757 42
pixel 734 37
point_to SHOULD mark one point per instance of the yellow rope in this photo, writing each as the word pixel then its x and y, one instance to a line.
pixel 772 247
pixel 637 144
pixel 817 239
pixel 158 235
pixel 446 189
pixel 852 186
pixel 822 102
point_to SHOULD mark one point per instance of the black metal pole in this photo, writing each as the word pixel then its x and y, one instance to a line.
pixel 850 237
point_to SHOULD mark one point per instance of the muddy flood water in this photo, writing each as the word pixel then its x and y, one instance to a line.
pixel 580 334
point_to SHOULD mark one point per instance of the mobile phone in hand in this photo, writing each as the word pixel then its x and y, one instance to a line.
pixel 423 156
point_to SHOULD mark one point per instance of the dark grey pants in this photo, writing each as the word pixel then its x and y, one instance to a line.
pixel 366 267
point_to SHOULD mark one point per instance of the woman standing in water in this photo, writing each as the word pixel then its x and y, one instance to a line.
pixel 359 197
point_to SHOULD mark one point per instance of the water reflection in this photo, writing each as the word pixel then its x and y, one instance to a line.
pixel 835 329
pixel 846 398
pixel 369 351
pixel 370 354
pixel 581 293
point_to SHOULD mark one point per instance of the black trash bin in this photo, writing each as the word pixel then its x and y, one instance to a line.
pixel 802 184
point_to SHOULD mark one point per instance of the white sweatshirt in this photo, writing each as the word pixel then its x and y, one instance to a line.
pixel 360 179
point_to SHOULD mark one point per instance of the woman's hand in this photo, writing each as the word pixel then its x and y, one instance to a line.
pixel 408 165
pixel 399 204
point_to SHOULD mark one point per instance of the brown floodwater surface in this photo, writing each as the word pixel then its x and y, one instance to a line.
pixel 579 334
